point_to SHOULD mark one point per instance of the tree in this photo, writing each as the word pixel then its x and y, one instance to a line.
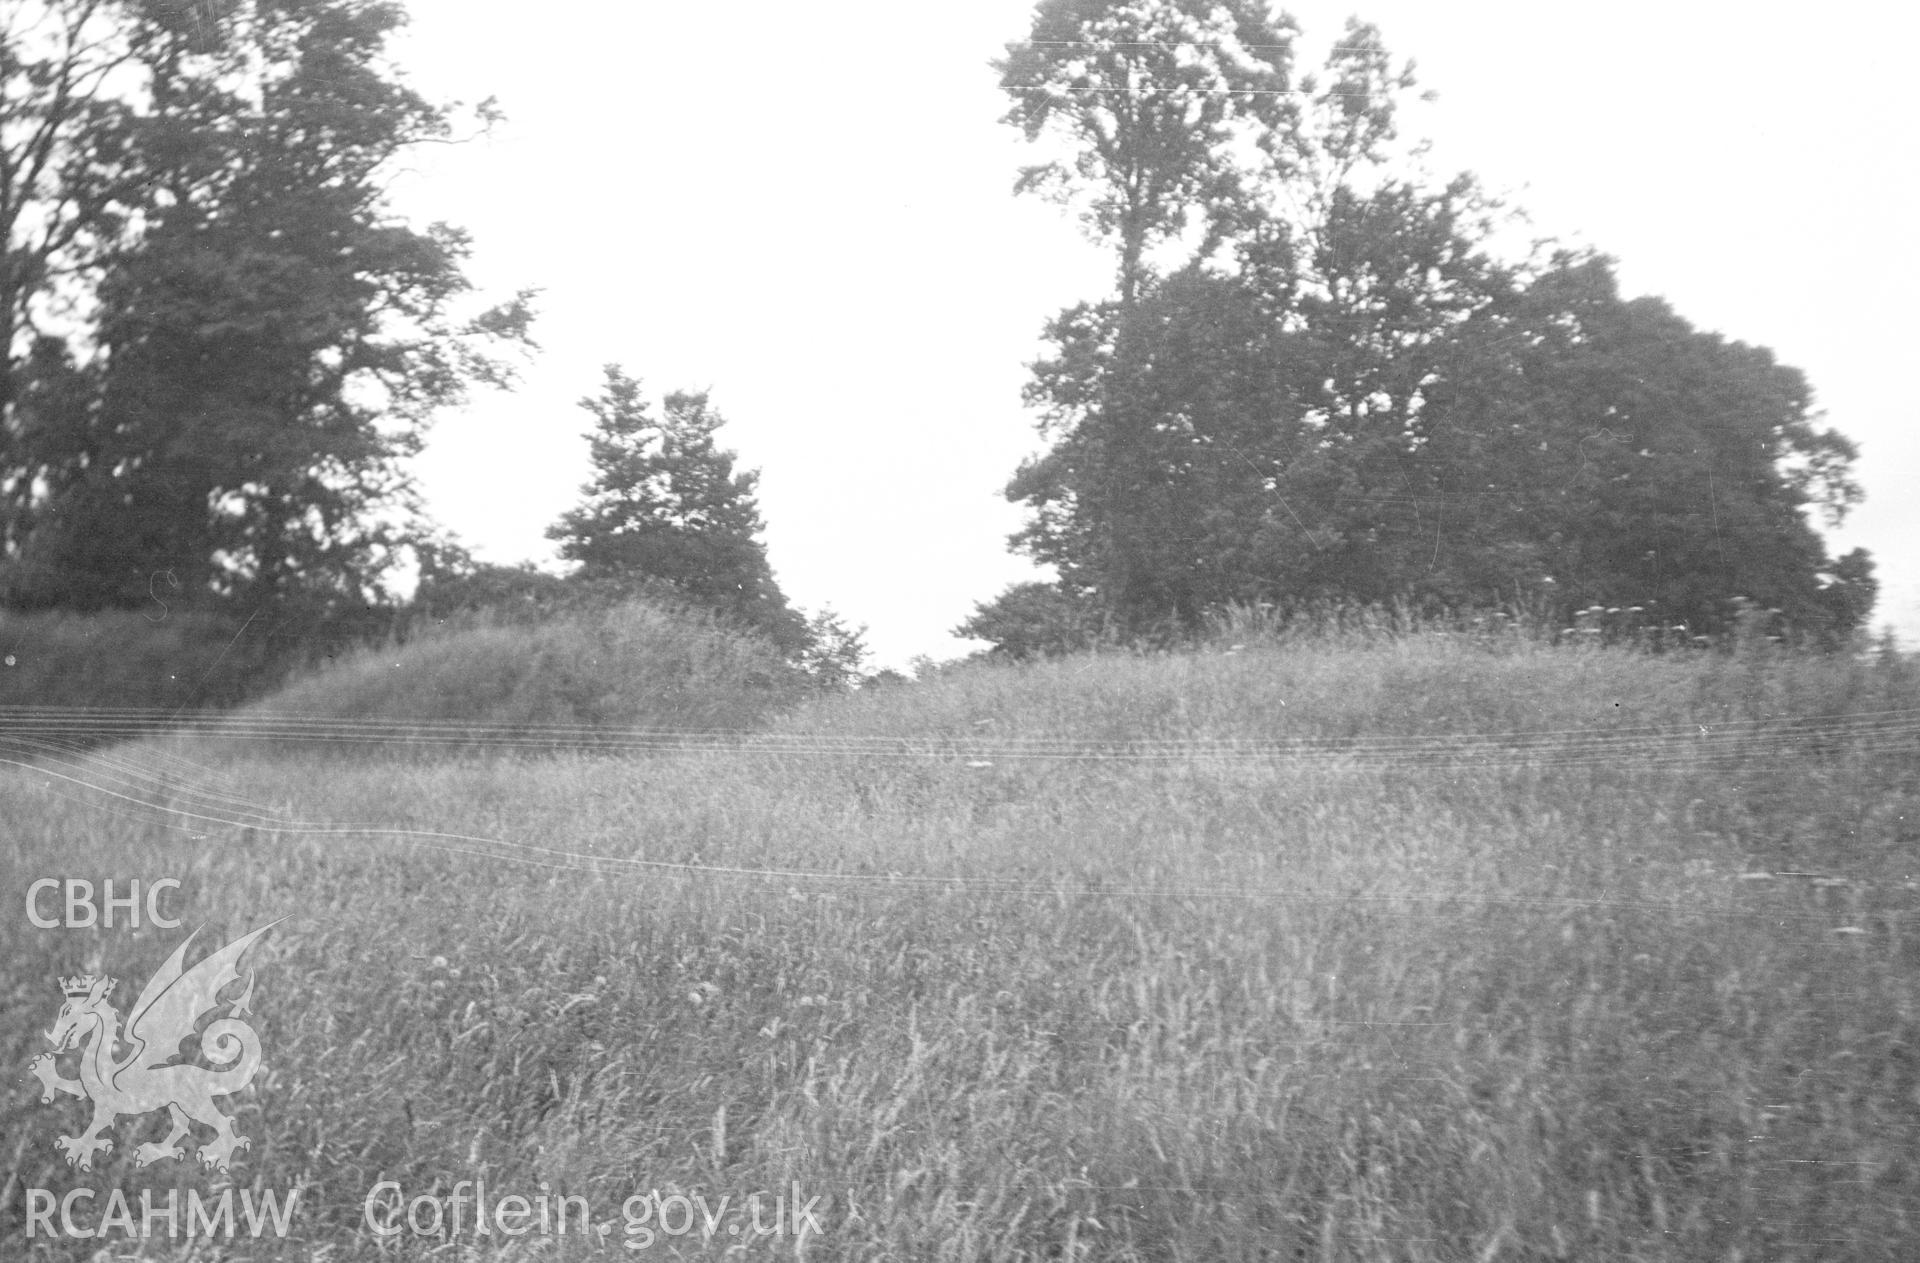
pixel 1031 620
pixel 223 345
pixel 520 594
pixel 665 502
pixel 1167 420
pixel 1226 428
pixel 1153 95
pixel 1342 394
pixel 1608 444
pixel 835 654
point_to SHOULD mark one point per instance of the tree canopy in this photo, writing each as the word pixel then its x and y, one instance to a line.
pixel 221 344
pixel 1319 380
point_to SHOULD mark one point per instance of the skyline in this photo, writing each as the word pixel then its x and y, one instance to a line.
pixel 825 236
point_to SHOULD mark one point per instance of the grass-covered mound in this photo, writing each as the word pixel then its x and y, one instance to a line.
pixel 579 678
pixel 1423 949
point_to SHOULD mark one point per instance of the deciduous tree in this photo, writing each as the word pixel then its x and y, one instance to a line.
pixel 222 343
pixel 1151 97
pixel 1636 460
pixel 1337 390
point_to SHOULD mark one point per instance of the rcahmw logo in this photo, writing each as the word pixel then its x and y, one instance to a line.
pixel 195 1219
pixel 149 1077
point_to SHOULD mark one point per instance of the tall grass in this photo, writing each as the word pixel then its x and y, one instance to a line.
pixel 1372 947
pixel 572 678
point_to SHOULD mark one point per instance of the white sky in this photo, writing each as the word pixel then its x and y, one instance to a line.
pixel 807 209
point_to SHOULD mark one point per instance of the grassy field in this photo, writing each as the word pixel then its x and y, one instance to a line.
pixel 1411 948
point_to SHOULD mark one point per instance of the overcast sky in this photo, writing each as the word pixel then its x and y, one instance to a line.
pixel 807 209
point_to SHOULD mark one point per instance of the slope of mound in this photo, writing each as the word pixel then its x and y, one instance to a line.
pixel 1311 949
pixel 1427 712
pixel 567 682
pixel 1425 688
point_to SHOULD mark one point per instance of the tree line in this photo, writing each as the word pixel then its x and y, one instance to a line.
pixel 1319 380
pixel 222 344
pixel 1316 379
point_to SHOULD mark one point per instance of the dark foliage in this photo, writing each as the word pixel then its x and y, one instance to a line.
pixel 666 505
pixel 1317 383
pixel 220 344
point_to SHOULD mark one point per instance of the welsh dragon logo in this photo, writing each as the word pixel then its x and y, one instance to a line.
pixel 145 1078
